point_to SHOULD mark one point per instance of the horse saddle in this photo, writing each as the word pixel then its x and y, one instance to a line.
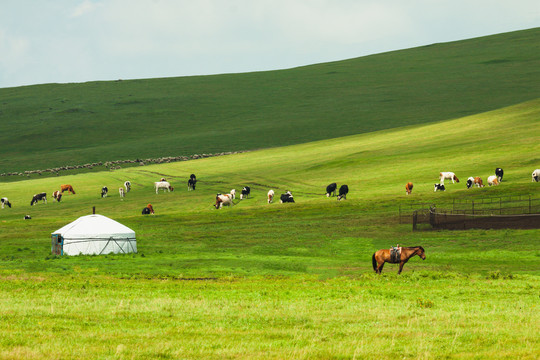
pixel 395 254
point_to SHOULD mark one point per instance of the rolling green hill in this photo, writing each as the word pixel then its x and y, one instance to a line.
pixel 53 125
pixel 283 281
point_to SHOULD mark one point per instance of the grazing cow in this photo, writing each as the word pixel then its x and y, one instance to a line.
pixel 57 195
pixel 270 196
pixel 331 190
pixel 447 175
pixel 148 210
pixel 223 200
pixel 67 187
pixel 191 184
pixel 470 182
pixel 233 193
pixel 163 185
pixel 27 217
pixel 409 187
pixel 104 191
pixel 41 196
pixel 439 187
pixel 286 198
pixel 5 201
pixel 127 185
pixel 536 175
pixel 478 182
pixel 245 192
pixel 343 191
pixel 499 172
pixel 492 180
pixel 121 192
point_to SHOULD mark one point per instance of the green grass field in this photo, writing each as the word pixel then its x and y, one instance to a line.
pixel 54 125
pixel 285 280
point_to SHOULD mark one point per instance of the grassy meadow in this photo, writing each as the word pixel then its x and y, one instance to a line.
pixel 53 125
pixel 285 280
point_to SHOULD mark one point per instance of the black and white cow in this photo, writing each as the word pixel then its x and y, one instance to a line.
pixel 286 198
pixel 245 192
pixel 104 191
pixel 127 185
pixel 499 172
pixel 41 196
pixel 5 201
pixel 439 187
pixel 343 191
pixel 470 182
pixel 331 190
pixel 191 183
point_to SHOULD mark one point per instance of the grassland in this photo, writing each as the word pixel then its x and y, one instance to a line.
pixel 66 124
pixel 285 280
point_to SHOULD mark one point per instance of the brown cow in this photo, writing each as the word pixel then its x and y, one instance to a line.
pixel 67 187
pixel 408 187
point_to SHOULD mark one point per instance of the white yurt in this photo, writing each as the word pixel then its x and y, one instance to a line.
pixel 93 235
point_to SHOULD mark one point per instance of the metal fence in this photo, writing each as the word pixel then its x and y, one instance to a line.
pixel 486 213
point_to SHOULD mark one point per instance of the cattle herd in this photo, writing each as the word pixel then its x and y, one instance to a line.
pixel 287 197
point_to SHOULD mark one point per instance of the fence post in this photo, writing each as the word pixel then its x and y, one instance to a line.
pixel 530 205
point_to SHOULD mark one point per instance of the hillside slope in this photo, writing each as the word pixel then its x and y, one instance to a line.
pixel 53 125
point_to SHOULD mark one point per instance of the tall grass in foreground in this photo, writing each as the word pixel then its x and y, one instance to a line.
pixel 418 315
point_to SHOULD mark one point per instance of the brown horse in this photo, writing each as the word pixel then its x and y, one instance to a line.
pixel 381 256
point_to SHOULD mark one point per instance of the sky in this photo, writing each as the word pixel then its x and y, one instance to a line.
pixel 63 41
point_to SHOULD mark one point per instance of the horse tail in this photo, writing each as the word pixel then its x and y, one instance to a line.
pixel 374 262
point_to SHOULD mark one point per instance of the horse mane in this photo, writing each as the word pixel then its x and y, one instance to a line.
pixel 414 247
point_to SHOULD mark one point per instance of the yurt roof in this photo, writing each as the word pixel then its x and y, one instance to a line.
pixel 94 226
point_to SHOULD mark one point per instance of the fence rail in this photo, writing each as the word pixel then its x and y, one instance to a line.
pixel 496 212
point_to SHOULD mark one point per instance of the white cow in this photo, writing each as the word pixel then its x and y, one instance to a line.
pixel 536 175
pixel 165 185
pixel 223 200
pixel 447 175
pixel 233 193
pixel 270 196
pixel 492 180
pixel 121 192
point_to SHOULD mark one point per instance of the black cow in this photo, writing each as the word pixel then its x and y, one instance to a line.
pixel 499 172
pixel 286 198
pixel 41 196
pixel 104 191
pixel 439 187
pixel 245 192
pixel 5 201
pixel 191 183
pixel 469 183
pixel 331 190
pixel 343 191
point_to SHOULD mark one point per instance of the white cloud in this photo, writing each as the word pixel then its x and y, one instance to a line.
pixel 87 6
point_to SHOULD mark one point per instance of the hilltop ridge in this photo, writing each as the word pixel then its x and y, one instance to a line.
pixel 52 125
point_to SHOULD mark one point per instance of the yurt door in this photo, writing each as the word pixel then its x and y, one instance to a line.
pixel 57 244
